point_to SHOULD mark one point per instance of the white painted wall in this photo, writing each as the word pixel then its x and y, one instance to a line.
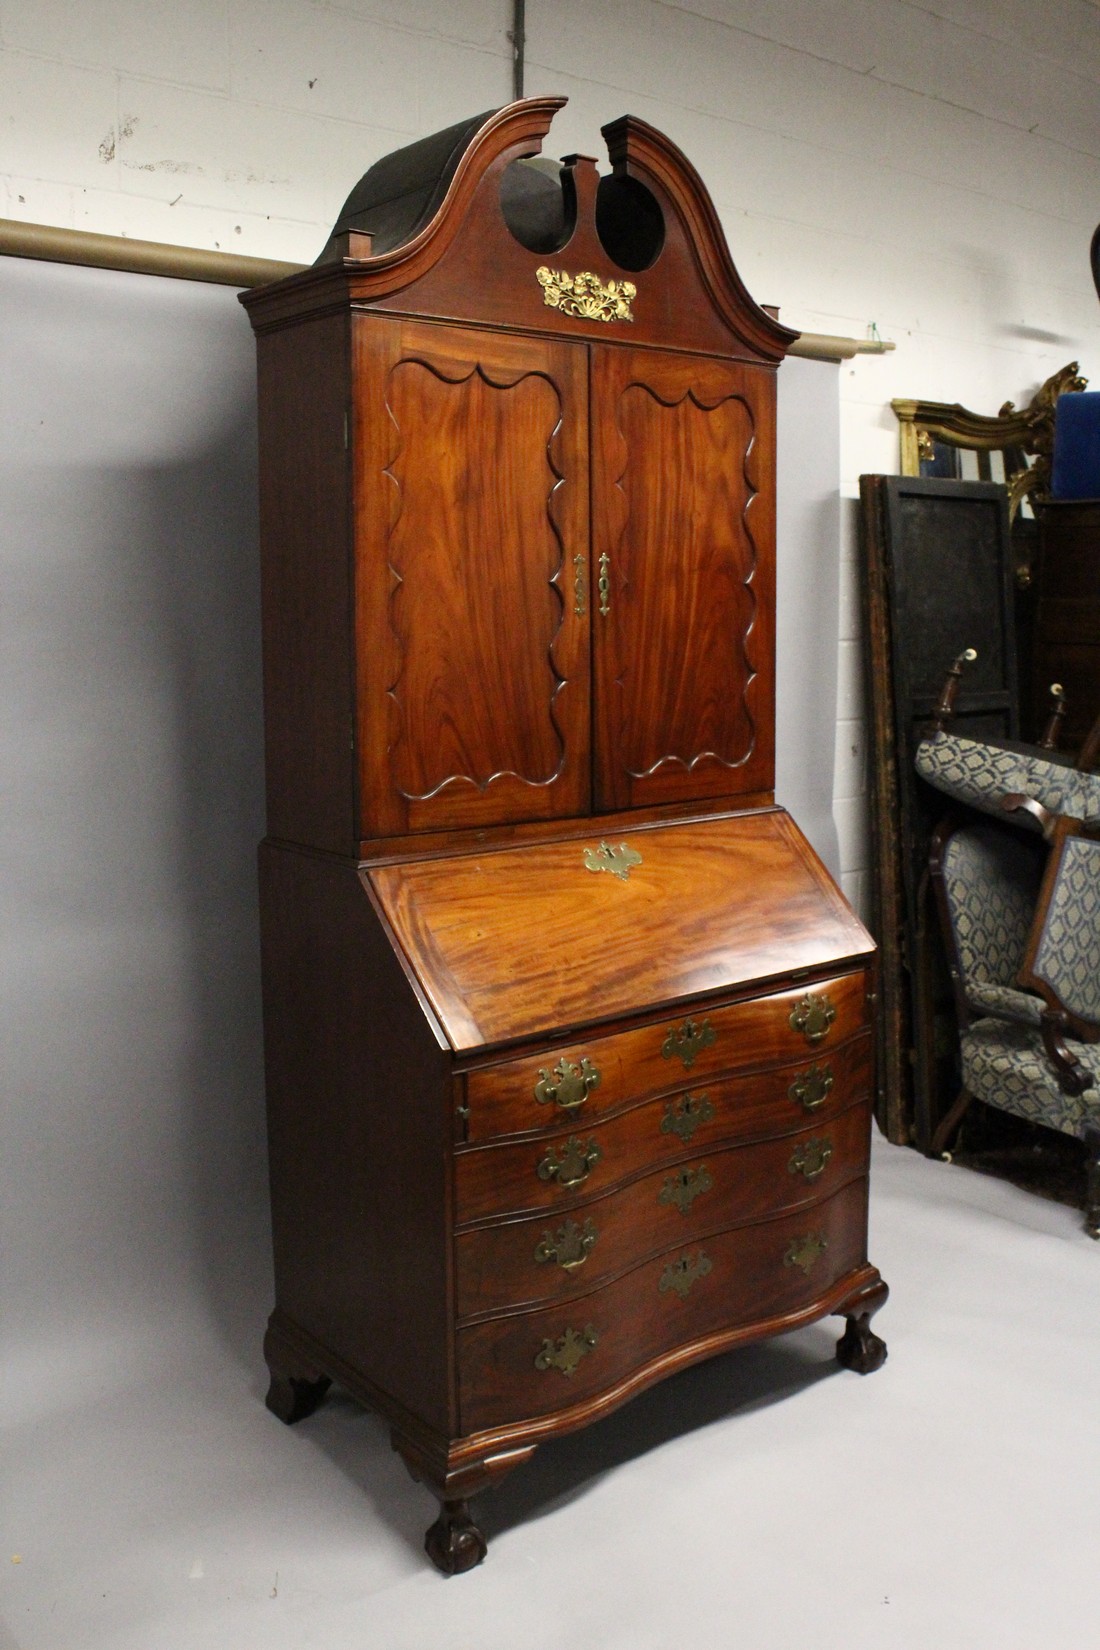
pixel 933 168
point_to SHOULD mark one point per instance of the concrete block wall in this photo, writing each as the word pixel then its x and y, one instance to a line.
pixel 929 167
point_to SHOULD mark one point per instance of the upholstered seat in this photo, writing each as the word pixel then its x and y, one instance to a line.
pixel 1012 913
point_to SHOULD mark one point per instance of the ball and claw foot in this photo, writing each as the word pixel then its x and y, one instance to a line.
pixel 859 1348
pixel 454 1543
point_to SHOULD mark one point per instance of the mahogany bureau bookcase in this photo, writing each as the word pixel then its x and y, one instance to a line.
pixel 568 1040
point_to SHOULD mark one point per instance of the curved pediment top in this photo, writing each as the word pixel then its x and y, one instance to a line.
pixel 470 225
pixel 404 200
pixel 638 150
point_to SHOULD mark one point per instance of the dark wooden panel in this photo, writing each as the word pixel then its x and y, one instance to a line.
pixel 684 512
pixel 358 1091
pixel 634 1320
pixel 937 578
pixel 504 1175
pixel 471 510
pixel 530 942
pixel 1067 624
pixel 306 580
pixel 498 1267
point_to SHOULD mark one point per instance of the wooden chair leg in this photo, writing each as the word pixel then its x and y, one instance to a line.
pixel 949 1125
pixel 1092 1179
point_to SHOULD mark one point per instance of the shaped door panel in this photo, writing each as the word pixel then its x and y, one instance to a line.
pixel 470 457
pixel 683 464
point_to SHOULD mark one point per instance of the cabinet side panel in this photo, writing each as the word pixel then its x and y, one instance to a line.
pixel 358 1095
pixel 306 583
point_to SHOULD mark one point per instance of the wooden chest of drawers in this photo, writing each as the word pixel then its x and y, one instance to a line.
pixel 526 1218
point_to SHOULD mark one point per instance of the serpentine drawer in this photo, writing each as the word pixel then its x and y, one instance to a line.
pixel 583 1158
pixel 521 1263
pixel 589 1078
pixel 534 1363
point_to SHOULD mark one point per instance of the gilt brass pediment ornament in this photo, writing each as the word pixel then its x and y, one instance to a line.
pixel 585 295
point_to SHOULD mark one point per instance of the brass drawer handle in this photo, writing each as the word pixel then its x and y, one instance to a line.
pixel 567 1351
pixel 805 1251
pixel 682 1189
pixel 572 1165
pixel 568 1085
pixel 813 1016
pixel 570 1246
pixel 688 1041
pixel 810 1158
pixel 681 1274
pixel 811 1090
pixel 603 584
pixel 684 1115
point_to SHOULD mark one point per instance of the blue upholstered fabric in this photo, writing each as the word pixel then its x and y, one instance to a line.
pixel 1076 469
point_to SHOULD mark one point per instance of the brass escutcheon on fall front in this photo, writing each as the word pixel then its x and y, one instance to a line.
pixel 804 1251
pixel 571 1165
pixel 681 1274
pixel 568 1086
pixel 619 861
pixel 811 1090
pixel 813 1016
pixel 682 1189
pixel 684 1115
pixel 570 1246
pixel 809 1159
pixel 567 1351
pixel 688 1041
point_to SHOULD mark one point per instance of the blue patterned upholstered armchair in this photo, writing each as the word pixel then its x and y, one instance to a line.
pixel 1019 902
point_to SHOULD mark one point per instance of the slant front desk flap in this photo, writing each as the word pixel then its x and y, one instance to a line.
pixel 533 941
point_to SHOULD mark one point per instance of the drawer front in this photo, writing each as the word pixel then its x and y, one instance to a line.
pixel 533 1363
pixel 557 1171
pixel 584 1080
pixel 522 1263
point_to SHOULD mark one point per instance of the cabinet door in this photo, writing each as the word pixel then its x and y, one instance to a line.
pixel 470 461
pixel 683 491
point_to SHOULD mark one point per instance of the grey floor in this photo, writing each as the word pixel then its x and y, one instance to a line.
pixel 766 1499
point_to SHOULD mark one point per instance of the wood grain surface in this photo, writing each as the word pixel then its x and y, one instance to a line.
pixel 528 941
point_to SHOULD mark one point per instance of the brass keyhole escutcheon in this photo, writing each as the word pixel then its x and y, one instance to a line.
pixel 813 1016
pixel 566 1352
pixel 805 1251
pixel 811 1089
pixel 809 1159
pixel 568 1085
pixel 684 1115
pixel 683 1188
pixel 679 1275
pixel 688 1040
pixel 570 1246
pixel 571 1165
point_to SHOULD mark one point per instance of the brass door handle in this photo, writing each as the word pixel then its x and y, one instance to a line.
pixel 809 1159
pixel 811 1089
pixel 570 1246
pixel 813 1016
pixel 603 584
pixel 572 1165
pixel 568 1085
pixel 580 585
